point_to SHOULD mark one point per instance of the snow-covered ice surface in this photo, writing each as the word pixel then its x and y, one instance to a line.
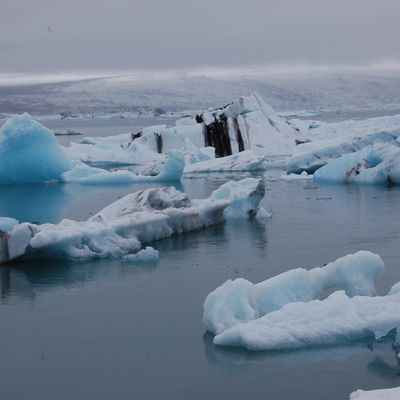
pixel 121 228
pixel 146 255
pixel 336 320
pixel 241 301
pixel 285 312
pixel 6 223
pixel 382 394
pixel 311 156
pixel 366 151
pixel 244 161
pixel 170 170
pixel 29 152
pixel 378 165
pixel 315 90
pixel 246 130
pixel 304 176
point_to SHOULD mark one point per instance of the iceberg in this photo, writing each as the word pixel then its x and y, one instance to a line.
pixel 29 152
pixel 112 151
pixel 6 223
pixel 123 227
pixel 296 177
pixel 244 161
pixel 246 124
pixel 335 320
pixel 379 165
pixel 309 157
pixel 147 255
pixel 382 394
pixel 241 301
pixel 170 170
pixel 321 130
pixel 285 312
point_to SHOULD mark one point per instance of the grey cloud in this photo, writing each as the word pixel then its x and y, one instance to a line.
pixel 53 35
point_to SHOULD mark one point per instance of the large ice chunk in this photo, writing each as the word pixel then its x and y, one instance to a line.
pixel 240 301
pixel 29 152
pixel 378 165
pixel 335 320
pixel 170 170
pixel 6 223
pixel 123 227
pixel 311 156
pixel 382 394
pixel 244 161
pixel 112 151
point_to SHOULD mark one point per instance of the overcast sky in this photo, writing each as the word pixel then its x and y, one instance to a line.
pixel 123 35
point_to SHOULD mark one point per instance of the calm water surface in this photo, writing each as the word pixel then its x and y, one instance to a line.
pixel 107 330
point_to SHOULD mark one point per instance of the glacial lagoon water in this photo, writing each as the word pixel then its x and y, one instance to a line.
pixel 103 329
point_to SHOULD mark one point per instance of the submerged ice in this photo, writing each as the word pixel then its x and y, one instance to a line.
pixel 123 227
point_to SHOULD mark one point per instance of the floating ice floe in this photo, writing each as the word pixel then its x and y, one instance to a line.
pixel 247 124
pixel 335 320
pixel 29 152
pixel 112 151
pixel 382 394
pixel 311 156
pixel 241 301
pixel 379 165
pixel 321 130
pixel 123 227
pixel 304 176
pixel 147 255
pixel 6 223
pixel 170 170
pixel 284 312
pixel 244 161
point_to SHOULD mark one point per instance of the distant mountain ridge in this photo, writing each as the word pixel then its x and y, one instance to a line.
pixel 177 92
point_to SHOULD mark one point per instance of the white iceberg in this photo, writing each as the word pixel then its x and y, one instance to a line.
pixel 244 161
pixel 240 301
pixel 112 151
pixel 382 394
pixel 170 170
pixel 29 152
pixel 379 165
pixel 6 223
pixel 321 130
pixel 123 227
pixel 247 124
pixel 304 176
pixel 147 255
pixel 311 156
pixel 284 312
pixel 335 320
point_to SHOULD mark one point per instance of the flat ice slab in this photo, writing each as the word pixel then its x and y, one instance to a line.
pixel 123 227
pixel 285 312
pixel 383 394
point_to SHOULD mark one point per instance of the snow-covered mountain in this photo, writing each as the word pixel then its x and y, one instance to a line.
pixel 311 90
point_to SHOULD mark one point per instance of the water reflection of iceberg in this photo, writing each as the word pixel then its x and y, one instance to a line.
pixel 29 279
pixel 34 203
